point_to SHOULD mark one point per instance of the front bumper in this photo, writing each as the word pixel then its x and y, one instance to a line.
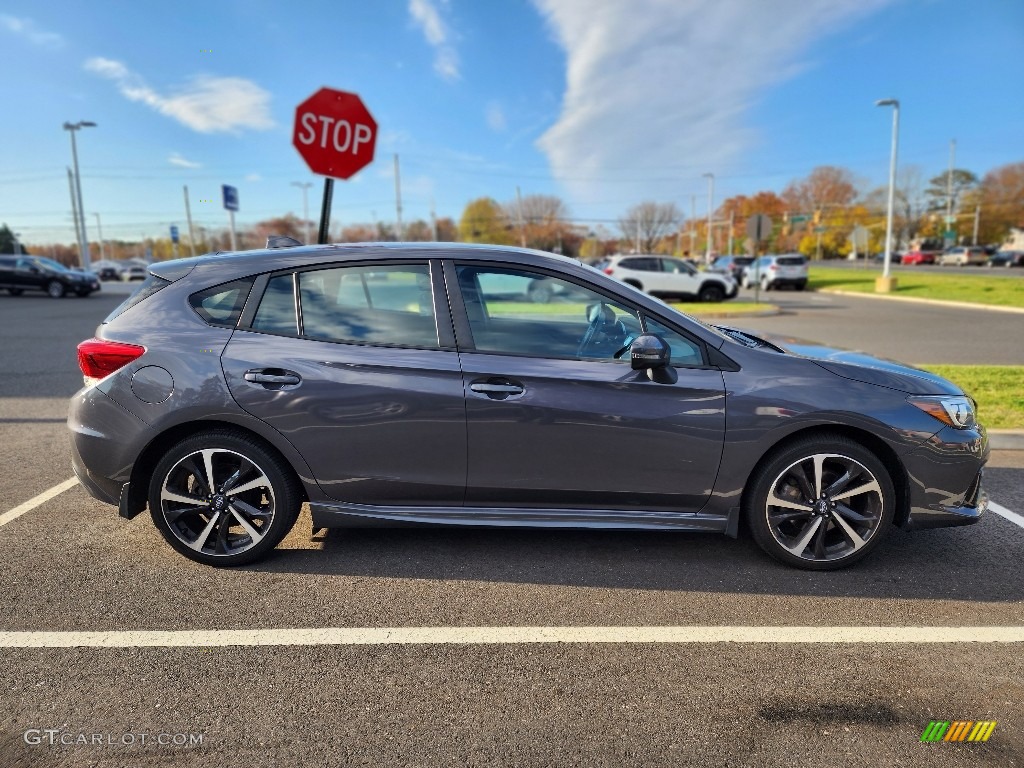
pixel 945 479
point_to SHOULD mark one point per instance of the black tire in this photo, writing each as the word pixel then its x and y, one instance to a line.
pixel 540 292
pixel 711 292
pixel 15 291
pixel 83 293
pixel 270 509
pixel 55 289
pixel 831 542
pixel 801 286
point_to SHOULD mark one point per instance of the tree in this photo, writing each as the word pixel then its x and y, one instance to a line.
pixel 484 221
pixel 288 225
pixel 939 188
pixel 827 186
pixel 447 232
pixel 7 241
pixel 1002 202
pixel 418 231
pixel 644 225
pixel 741 207
pixel 539 221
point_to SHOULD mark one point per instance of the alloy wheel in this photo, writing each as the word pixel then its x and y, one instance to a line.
pixel 217 502
pixel 824 507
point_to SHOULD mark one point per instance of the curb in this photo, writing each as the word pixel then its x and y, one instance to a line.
pixel 915 300
pixel 775 310
pixel 1006 439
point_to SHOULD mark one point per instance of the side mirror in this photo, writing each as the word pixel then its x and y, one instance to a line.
pixel 649 351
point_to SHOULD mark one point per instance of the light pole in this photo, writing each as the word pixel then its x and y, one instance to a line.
pixel 99 228
pixel 886 283
pixel 17 243
pixel 83 243
pixel 304 186
pixel 711 196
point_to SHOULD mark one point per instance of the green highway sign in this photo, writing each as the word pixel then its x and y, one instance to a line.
pixel 819 230
pixel 798 219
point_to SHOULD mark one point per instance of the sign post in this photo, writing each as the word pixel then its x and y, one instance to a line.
pixel 859 239
pixel 230 195
pixel 174 239
pixel 759 227
pixel 336 136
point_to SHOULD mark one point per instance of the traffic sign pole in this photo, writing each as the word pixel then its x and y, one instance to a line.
pixel 759 227
pixel 325 212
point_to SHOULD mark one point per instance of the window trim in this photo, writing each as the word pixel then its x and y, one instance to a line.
pixel 463 330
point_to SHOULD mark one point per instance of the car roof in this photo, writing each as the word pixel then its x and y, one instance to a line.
pixel 242 263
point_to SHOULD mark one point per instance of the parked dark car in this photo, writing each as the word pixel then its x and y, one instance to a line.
pixel 36 273
pixel 229 389
pixel 1006 259
pixel 731 265
pixel 109 273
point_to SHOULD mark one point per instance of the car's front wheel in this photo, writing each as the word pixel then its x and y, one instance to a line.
pixel 820 503
pixel 222 498
pixel 711 293
pixel 14 291
pixel 55 289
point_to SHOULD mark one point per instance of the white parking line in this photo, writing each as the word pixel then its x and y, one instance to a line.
pixel 1002 511
pixel 509 635
pixel 35 501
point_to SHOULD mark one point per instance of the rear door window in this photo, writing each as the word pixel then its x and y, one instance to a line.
pixel 276 313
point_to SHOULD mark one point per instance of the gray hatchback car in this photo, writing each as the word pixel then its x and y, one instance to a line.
pixel 421 384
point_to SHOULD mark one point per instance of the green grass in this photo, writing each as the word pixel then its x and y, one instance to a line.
pixel 999 390
pixel 982 288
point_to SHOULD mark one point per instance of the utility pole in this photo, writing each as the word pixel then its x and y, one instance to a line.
pixel 519 217
pixel 304 186
pixel 433 219
pixel 398 201
pixel 949 185
pixel 191 231
pixel 977 222
pixel 693 225
pixel 711 195
pixel 732 217
pixel 74 208
pixel 83 243
pixel 99 228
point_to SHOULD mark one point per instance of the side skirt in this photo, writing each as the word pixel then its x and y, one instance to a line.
pixel 369 516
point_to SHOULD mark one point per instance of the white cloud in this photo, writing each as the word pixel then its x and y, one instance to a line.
pixel 496 117
pixel 426 15
pixel 205 104
pixel 660 82
pixel 253 177
pixel 181 162
pixel 28 29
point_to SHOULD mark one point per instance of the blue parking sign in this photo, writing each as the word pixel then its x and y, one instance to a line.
pixel 230 197
pixel 174 233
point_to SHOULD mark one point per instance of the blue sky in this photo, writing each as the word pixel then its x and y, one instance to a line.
pixel 603 102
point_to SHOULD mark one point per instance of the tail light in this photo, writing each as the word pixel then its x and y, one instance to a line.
pixel 773 267
pixel 99 358
pixel 608 270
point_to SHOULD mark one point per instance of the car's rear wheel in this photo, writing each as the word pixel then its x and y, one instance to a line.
pixel 55 289
pixel 540 292
pixel 222 498
pixel 711 293
pixel 820 503
pixel 15 291
pixel 801 286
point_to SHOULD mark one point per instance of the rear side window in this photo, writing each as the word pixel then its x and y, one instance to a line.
pixel 791 261
pixel 640 265
pixel 391 305
pixel 222 304
pixel 277 308
pixel 149 286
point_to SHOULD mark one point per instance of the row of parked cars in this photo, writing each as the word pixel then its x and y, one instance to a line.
pixel 37 273
pixel 963 256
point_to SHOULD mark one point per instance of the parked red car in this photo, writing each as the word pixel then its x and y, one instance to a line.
pixel 918 257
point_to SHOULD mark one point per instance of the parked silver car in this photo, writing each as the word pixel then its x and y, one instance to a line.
pixel 413 384
pixel 776 271
pixel 962 256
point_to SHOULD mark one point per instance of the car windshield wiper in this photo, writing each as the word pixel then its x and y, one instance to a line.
pixel 748 340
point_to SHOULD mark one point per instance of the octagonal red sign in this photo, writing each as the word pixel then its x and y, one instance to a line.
pixel 335 133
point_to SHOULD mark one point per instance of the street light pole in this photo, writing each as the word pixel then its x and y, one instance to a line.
pixel 711 196
pixel 888 283
pixel 99 228
pixel 83 242
pixel 304 186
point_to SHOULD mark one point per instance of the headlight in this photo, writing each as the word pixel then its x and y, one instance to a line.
pixel 955 410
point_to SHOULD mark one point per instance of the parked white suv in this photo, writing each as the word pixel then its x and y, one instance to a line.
pixel 776 271
pixel 665 277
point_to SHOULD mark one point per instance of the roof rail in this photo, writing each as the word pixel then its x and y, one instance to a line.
pixel 282 241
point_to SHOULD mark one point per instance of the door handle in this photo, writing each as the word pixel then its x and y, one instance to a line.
pixel 259 377
pixel 497 389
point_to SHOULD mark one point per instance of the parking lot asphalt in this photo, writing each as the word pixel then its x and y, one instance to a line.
pixel 71 564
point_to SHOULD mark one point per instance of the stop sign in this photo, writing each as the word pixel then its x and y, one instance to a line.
pixel 334 133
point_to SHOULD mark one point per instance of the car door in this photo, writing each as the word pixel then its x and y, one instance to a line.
pixel 363 378
pixel 678 277
pixel 556 421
